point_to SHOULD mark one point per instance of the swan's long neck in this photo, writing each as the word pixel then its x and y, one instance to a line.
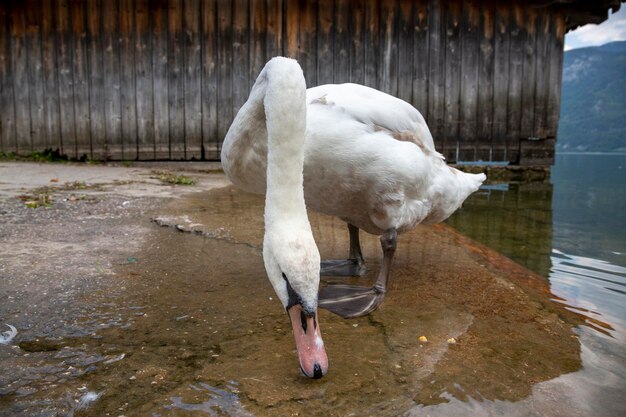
pixel 285 112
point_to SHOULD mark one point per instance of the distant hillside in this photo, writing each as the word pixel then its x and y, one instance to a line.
pixel 593 102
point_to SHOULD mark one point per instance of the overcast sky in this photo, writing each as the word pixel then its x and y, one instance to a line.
pixel 613 29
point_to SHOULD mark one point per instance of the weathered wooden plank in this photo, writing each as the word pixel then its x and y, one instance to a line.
pixel 50 89
pixel 7 115
pixel 452 93
pixel 210 138
pixel 388 63
pixel 436 72
pixel 144 80
pixel 33 41
pixel 371 44
pixel 240 80
pixel 514 110
pixel 500 82
pixel 96 79
pixel 356 26
pixel 192 78
pixel 80 73
pixel 127 80
pixel 307 41
pixel 274 28
pixel 341 43
pixel 176 85
pixel 529 73
pixel 64 71
pixel 292 21
pixel 420 58
pixel 160 79
pixel 112 81
pixel 468 107
pixel 484 115
pixel 325 55
pixel 557 35
pixel 406 23
pixel 542 64
pixel 21 95
pixel 224 69
pixel 258 38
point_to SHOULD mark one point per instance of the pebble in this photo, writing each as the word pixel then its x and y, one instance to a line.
pixel 422 339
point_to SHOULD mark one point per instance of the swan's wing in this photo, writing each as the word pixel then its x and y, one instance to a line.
pixel 378 110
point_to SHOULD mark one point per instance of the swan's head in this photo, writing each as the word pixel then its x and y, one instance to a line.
pixel 292 262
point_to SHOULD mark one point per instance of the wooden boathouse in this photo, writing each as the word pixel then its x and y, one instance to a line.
pixel 162 79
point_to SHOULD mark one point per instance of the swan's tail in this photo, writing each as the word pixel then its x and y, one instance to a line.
pixel 475 181
pixel 450 191
pixel 468 184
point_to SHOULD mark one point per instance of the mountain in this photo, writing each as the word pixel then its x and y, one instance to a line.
pixel 593 100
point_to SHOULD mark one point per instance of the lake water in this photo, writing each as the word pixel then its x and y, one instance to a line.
pixel 572 231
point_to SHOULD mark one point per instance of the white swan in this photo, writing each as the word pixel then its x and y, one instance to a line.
pixel 369 159
pixel 291 258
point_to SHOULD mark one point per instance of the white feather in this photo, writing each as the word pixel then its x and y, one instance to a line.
pixel 87 398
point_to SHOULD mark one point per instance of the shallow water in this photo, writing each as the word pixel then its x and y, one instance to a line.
pixel 571 231
pixel 200 330
pixel 194 328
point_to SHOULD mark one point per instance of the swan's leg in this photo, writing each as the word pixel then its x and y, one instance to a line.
pixel 355 254
pixel 388 243
pixel 350 301
pixel 354 265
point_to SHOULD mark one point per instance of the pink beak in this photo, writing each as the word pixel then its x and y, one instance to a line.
pixel 309 343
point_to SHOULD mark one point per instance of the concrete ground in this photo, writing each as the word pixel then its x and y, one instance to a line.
pixel 64 225
pixel 63 229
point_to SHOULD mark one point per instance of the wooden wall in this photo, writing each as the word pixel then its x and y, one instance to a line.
pixel 162 79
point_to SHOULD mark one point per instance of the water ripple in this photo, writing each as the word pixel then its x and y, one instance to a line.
pixel 593 288
pixel 219 402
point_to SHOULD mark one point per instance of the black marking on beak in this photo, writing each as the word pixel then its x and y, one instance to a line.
pixel 317 371
pixel 294 298
pixel 303 321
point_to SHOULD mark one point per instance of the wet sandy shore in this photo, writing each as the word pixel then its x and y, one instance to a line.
pixel 159 322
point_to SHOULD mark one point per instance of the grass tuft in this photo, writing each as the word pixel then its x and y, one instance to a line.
pixel 171 178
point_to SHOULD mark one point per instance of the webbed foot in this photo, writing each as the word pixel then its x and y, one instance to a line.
pixel 350 301
pixel 342 268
